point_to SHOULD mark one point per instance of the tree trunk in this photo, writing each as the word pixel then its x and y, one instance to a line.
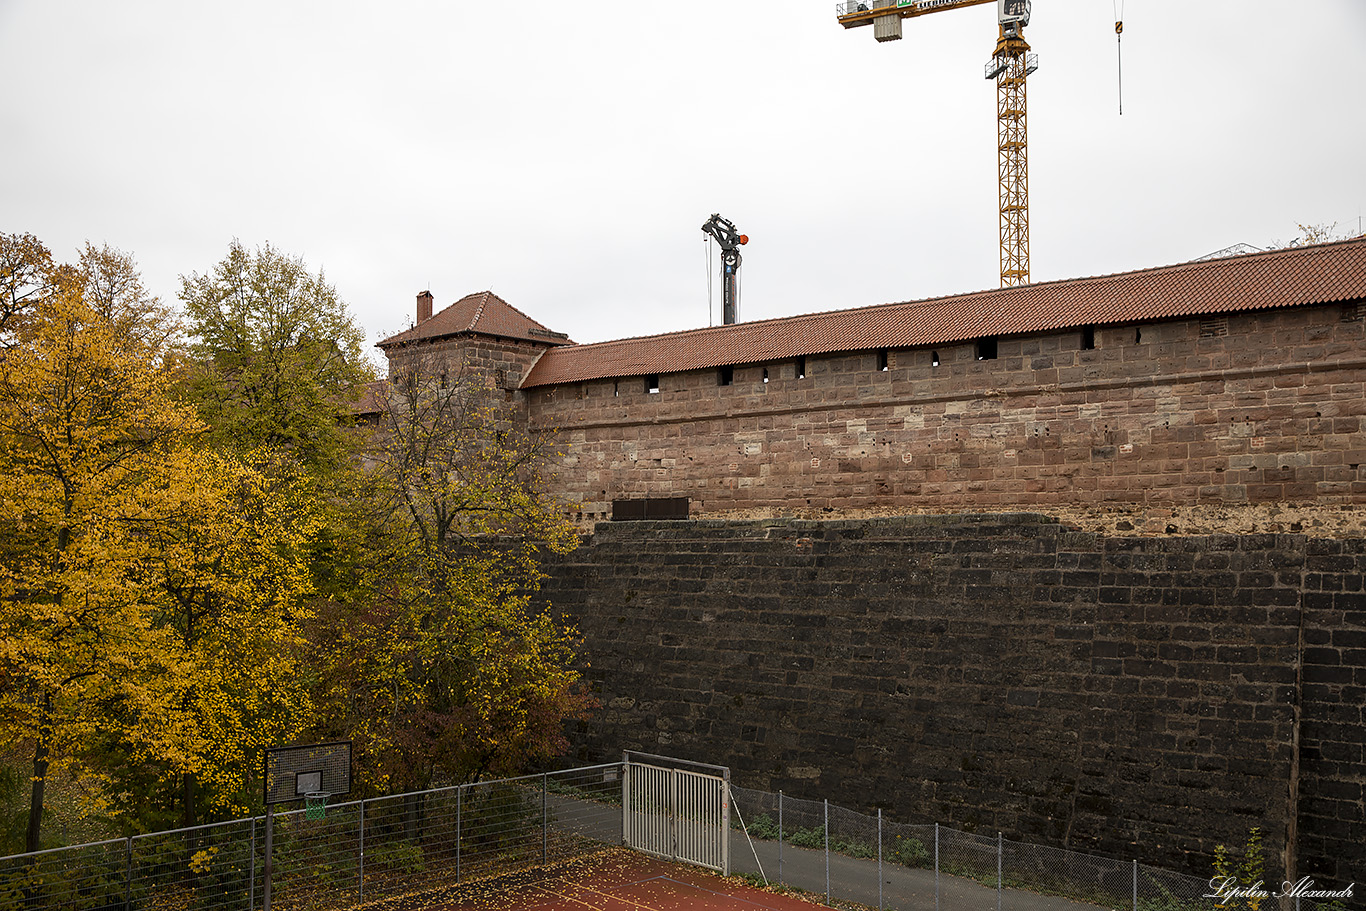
pixel 187 779
pixel 41 754
pixel 187 793
pixel 412 816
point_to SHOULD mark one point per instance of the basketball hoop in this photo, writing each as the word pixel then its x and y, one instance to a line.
pixel 308 772
pixel 315 805
pixel 303 772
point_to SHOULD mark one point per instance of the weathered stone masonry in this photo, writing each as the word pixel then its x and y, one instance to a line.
pixel 1249 408
pixel 1140 697
pixel 1234 381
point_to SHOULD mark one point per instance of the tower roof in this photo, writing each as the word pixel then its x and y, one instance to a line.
pixel 482 313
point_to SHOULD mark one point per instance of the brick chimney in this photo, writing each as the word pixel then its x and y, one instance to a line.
pixel 424 306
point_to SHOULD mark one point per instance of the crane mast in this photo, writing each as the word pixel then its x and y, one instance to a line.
pixel 1010 65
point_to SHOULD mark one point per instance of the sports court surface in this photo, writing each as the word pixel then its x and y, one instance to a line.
pixel 614 880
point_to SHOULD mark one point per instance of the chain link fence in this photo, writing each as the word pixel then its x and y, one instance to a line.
pixel 853 859
pixel 357 852
pixel 388 846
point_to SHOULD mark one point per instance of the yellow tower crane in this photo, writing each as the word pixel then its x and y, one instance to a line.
pixel 1009 65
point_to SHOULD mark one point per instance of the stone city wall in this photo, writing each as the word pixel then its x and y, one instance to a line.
pixel 1146 698
pixel 1245 408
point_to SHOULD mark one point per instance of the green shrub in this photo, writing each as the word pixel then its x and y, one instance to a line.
pixel 763 827
pixel 813 837
pixel 1249 871
pixel 909 852
pixel 853 848
pixel 753 879
pixel 500 815
pixel 399 856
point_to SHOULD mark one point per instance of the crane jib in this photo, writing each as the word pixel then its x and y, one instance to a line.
pixel 923 4
pixel 1009 10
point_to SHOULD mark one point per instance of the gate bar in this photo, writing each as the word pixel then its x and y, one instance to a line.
pixel 671 759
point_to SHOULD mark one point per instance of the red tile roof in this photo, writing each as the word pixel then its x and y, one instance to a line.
pixel 372 398
pixel 484 313
pixel 1323 273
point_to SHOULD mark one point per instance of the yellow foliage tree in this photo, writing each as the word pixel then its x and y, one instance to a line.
pixel 108 513
pixel 85 422
pixel 224 549
pixel 27 275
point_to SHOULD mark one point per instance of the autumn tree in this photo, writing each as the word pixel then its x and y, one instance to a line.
pixel 442 669
pixel 110 512
pixel 425 647
pixel 1320 233
pixel 275 368
pixel 85 422
pixel 107 278
pixel 226 556
pixel 27 275
pixel 279 360
pixel 112 287
pixel 184 584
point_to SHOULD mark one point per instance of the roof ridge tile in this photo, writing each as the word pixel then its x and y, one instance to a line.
pixel 479 311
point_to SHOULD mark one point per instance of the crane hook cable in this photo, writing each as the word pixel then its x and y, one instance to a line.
pixel 708 241
pixel 1119 49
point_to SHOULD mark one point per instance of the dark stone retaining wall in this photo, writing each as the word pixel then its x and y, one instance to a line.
pixel 1139 697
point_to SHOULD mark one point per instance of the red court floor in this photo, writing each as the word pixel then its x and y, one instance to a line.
pixel 617 881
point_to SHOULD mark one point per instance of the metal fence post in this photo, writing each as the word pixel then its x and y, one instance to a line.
pixel 270 833
pixel 673 814
pixel 827 852
pixel 1000 851
pixel 360 874
pixel 251 876
pixel 545 815
pixel 1135 885
pixel 879 859
pixel 626 800
pixel 936 867
pixel 725 825
pixel 780 836
pixel 128 882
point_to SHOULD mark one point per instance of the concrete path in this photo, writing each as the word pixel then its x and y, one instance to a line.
pixel 851 878
pixel 903 888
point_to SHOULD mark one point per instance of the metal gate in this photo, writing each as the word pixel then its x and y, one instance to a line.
pixel 677 809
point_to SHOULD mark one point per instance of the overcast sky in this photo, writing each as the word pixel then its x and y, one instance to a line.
pixel 565 154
